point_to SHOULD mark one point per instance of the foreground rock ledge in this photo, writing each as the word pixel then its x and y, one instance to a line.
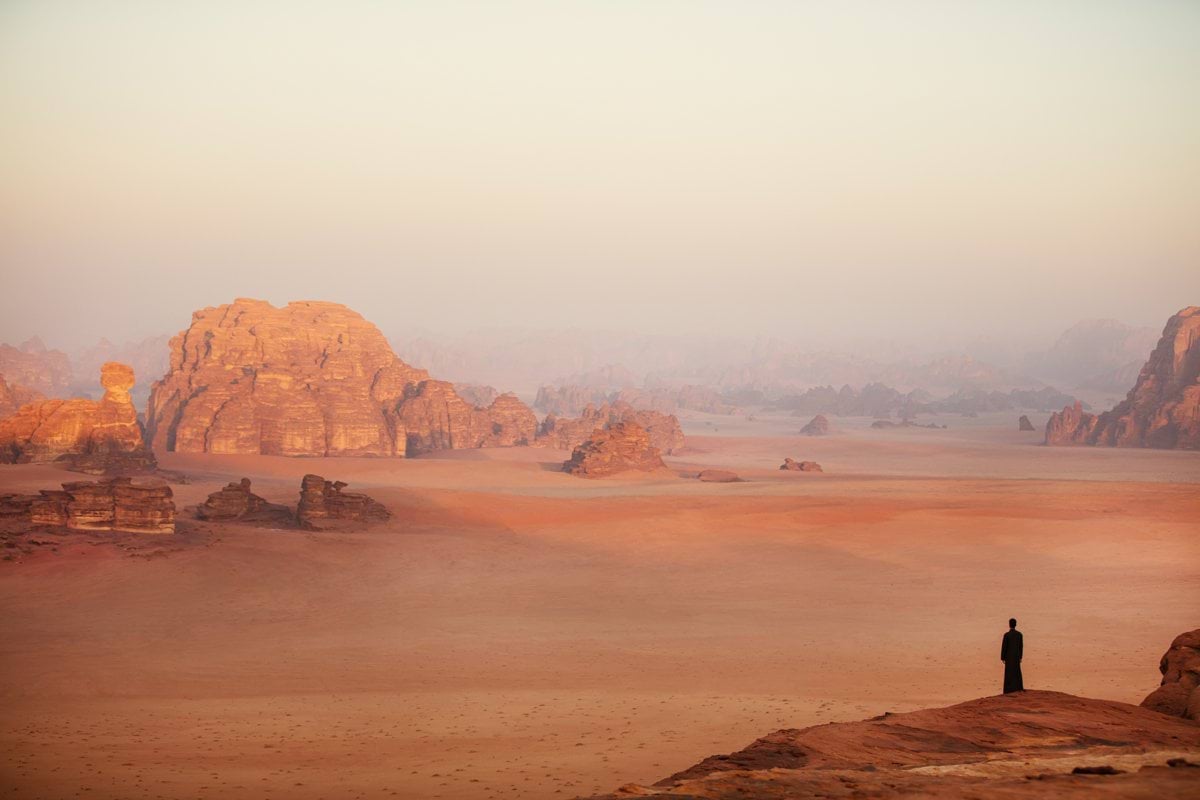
pixel 1024 744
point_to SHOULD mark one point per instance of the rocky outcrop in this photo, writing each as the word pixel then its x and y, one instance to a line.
pixel 311 379
pixel 35 367
pixel 718 476
pixel 477 394
pixel 792 465
pixel 620 447
pixel 567 434
pixel 817 426
pixel 97 437
pixel 13 396
pixel 323 503
pixel 1179 694
pixel 135 505
pixel 1163 408
pixel 1029 745
pixel 1023 424
pixel 433 417
pixel 236 503
pixel 568 400
pixel 883 424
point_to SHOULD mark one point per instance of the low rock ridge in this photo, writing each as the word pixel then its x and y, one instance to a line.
pixel 98 437
pixel 1162 409
pixel 134 505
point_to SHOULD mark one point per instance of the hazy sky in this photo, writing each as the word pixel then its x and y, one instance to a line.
pixel 897 169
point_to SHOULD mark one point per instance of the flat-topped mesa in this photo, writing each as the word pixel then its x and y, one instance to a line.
pixel 1161 410
pixel 98 437
pixel 620 447
pixel 323 502
pixel 1179 694
pixel 134 505
pixel 311 379
pixel 567 434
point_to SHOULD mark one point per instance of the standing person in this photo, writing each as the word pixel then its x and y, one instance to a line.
pixel 1011 650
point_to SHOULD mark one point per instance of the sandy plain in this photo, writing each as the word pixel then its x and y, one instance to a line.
pixel 518 632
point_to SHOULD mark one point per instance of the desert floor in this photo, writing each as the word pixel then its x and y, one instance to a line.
pixel 518 632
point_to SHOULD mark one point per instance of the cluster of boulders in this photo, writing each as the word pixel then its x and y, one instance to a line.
pixel 791 465
pixel 322 503
pixel 1161 410
pixel 98 437
pixel 136 505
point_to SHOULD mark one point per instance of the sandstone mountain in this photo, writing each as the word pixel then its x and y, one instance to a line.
pixel 1163 408
pixel 94 436
pixel 620 447
pixel 35 367
pixel 311 379
pixel 13 396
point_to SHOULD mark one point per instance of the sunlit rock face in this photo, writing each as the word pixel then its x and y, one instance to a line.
pixel 621 447
pixel 93 436
pixel 1163 408
pixel 312 379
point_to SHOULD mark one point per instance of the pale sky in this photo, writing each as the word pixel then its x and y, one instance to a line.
pixel 891 169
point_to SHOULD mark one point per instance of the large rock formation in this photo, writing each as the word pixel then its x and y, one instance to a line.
pixel 37 368
pixel 1163 408
pixel 817 426
pixel 323 502
pixel 567 434
pixel 13 396
pixel 92 436
pixel 142 505
pixel 1179 694
pixel 620 447
pixel 237 503
pixel 311 379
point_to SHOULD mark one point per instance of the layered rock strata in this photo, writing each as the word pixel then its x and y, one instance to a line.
pixel 323 502
pixel 237 503
pixel 92 436
pixel 1162 409
pixel 143 505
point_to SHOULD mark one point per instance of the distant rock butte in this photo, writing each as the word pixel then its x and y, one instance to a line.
pixel 1163 408
pixel 1023 424
pixel 311 379
pixel 13 396
pixel 323 502
pixel 1179 694
pixel 91 436
pixel 718 476
pixel 135 505
pixel 792 465
pixel 567 433
pixel 620 447
pixel 817 426
pixel 35 367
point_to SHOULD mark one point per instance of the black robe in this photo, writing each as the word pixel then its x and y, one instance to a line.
pixel 1011 650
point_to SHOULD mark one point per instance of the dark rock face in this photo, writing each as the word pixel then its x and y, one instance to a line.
pixel 817 426
pixel 718 476
pixel 1162 409
pixel 1023 424
pixel 97 437
pixel 621 447
pixel 323 502
pixel 117 504
pixel 800 466
pixel 1179 694
pixel 237 503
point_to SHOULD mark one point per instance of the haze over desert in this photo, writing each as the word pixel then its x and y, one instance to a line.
pixel 596 400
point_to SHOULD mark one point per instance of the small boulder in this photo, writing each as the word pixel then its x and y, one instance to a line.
pixel 792 465
pixel 718 476
pixel 1179 694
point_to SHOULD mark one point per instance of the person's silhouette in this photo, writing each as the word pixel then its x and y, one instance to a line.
pixel 1011 650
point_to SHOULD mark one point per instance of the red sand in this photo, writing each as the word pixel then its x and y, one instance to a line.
pixel 517 632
